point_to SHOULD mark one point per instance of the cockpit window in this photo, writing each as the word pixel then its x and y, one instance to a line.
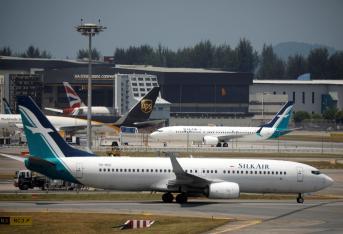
pixel 315 172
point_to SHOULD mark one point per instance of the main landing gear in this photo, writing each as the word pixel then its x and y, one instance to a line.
pixel 180 198
pixel 222 144
pixel 300 198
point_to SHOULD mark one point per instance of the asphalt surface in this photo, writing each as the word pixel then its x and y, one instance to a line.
pixel 250 216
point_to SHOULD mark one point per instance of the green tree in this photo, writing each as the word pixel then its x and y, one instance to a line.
pixel 246 57
pixel 330 114
pixel 6 51
pixel 202 54
pixel 318 63
pixel 271 67
pixel 300 116
pixel 336 66
pixel 83 54
pixel 296 66
pixel 33 52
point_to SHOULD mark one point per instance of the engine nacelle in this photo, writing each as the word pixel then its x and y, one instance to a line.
pixel 222 190
pixel 210 140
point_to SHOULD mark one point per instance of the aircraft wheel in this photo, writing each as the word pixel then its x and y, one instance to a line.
pixel 300 198
pixel 219 144
pixel 225 144
pixel 167 198
pixel 181 198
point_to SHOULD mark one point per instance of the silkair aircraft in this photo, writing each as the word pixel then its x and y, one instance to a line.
pixel 220 136
pixel 215 178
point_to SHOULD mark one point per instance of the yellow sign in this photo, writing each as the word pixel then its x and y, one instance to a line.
pixel 146 105
pixel 20 220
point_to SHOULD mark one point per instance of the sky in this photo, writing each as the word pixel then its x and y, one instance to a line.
pixel 50 24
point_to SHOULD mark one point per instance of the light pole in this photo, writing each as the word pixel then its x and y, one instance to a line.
pixel 89 30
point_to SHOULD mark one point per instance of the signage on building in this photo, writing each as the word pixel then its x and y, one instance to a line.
pixel 94 76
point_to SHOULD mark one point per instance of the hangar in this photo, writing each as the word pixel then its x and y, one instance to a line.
pixel 184 91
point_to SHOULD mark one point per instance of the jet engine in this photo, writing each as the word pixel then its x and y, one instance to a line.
pixel 210 140
pixel 222 190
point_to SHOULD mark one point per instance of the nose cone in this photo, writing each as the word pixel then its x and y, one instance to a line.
pixel 153 135
pixel 328 181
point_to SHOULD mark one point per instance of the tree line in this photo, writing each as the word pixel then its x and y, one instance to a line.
pixel 242 58
pixel 31 52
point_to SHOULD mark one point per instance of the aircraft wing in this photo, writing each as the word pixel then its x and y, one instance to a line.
pixel 183 178
pixel 54 110
pixel 148 123
pixel 230 137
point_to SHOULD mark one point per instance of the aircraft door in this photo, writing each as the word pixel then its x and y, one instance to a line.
pixel 300 174
pixel 79 170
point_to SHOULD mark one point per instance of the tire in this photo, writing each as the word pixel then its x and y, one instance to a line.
pixel 300 200
pixel 24 187
pixel 181 198
pixel 225 144
pixel 167 198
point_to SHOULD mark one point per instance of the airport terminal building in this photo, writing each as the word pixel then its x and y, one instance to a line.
pixel 184 91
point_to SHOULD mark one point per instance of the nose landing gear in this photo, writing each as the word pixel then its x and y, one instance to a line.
pixel 300 198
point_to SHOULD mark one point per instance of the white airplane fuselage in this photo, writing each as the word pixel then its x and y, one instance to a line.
pixel 197 133
pixel 59 122
pixel 153 174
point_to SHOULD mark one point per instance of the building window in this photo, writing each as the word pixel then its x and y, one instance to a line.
pixel 294 97
pixel 134 84
pixel 303 97
pixel 312 97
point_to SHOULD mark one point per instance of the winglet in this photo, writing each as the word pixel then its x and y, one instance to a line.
pixel 177 169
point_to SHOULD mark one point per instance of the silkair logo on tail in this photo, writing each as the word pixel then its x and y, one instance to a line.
pixel 146 105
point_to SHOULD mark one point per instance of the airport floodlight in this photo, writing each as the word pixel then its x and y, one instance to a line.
pixel 89 30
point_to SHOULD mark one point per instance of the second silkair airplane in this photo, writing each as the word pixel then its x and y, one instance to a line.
pixel 212 177
pixel 220 136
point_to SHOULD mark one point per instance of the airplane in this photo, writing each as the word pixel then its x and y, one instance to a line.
pixel 220 136
pixel 214 178
pixel 7 107
pixel 77 107
pixel 137 116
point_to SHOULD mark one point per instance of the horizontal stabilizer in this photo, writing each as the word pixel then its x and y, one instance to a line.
pixel 54 110
pixel 21 159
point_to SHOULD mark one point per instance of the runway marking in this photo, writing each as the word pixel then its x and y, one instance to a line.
pixel 234 226
pixel 299 210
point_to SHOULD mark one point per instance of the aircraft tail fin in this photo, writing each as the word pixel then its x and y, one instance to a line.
pixel 281 119
pixel 142 110
pixel 7 107
pixel 73 98
pixel 43 140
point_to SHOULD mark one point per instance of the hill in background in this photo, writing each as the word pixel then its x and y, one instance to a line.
pixel 286 49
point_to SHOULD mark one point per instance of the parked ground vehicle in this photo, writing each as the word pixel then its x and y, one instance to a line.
pixel 25 179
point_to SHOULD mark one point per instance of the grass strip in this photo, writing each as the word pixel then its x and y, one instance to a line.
pixel 54 222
